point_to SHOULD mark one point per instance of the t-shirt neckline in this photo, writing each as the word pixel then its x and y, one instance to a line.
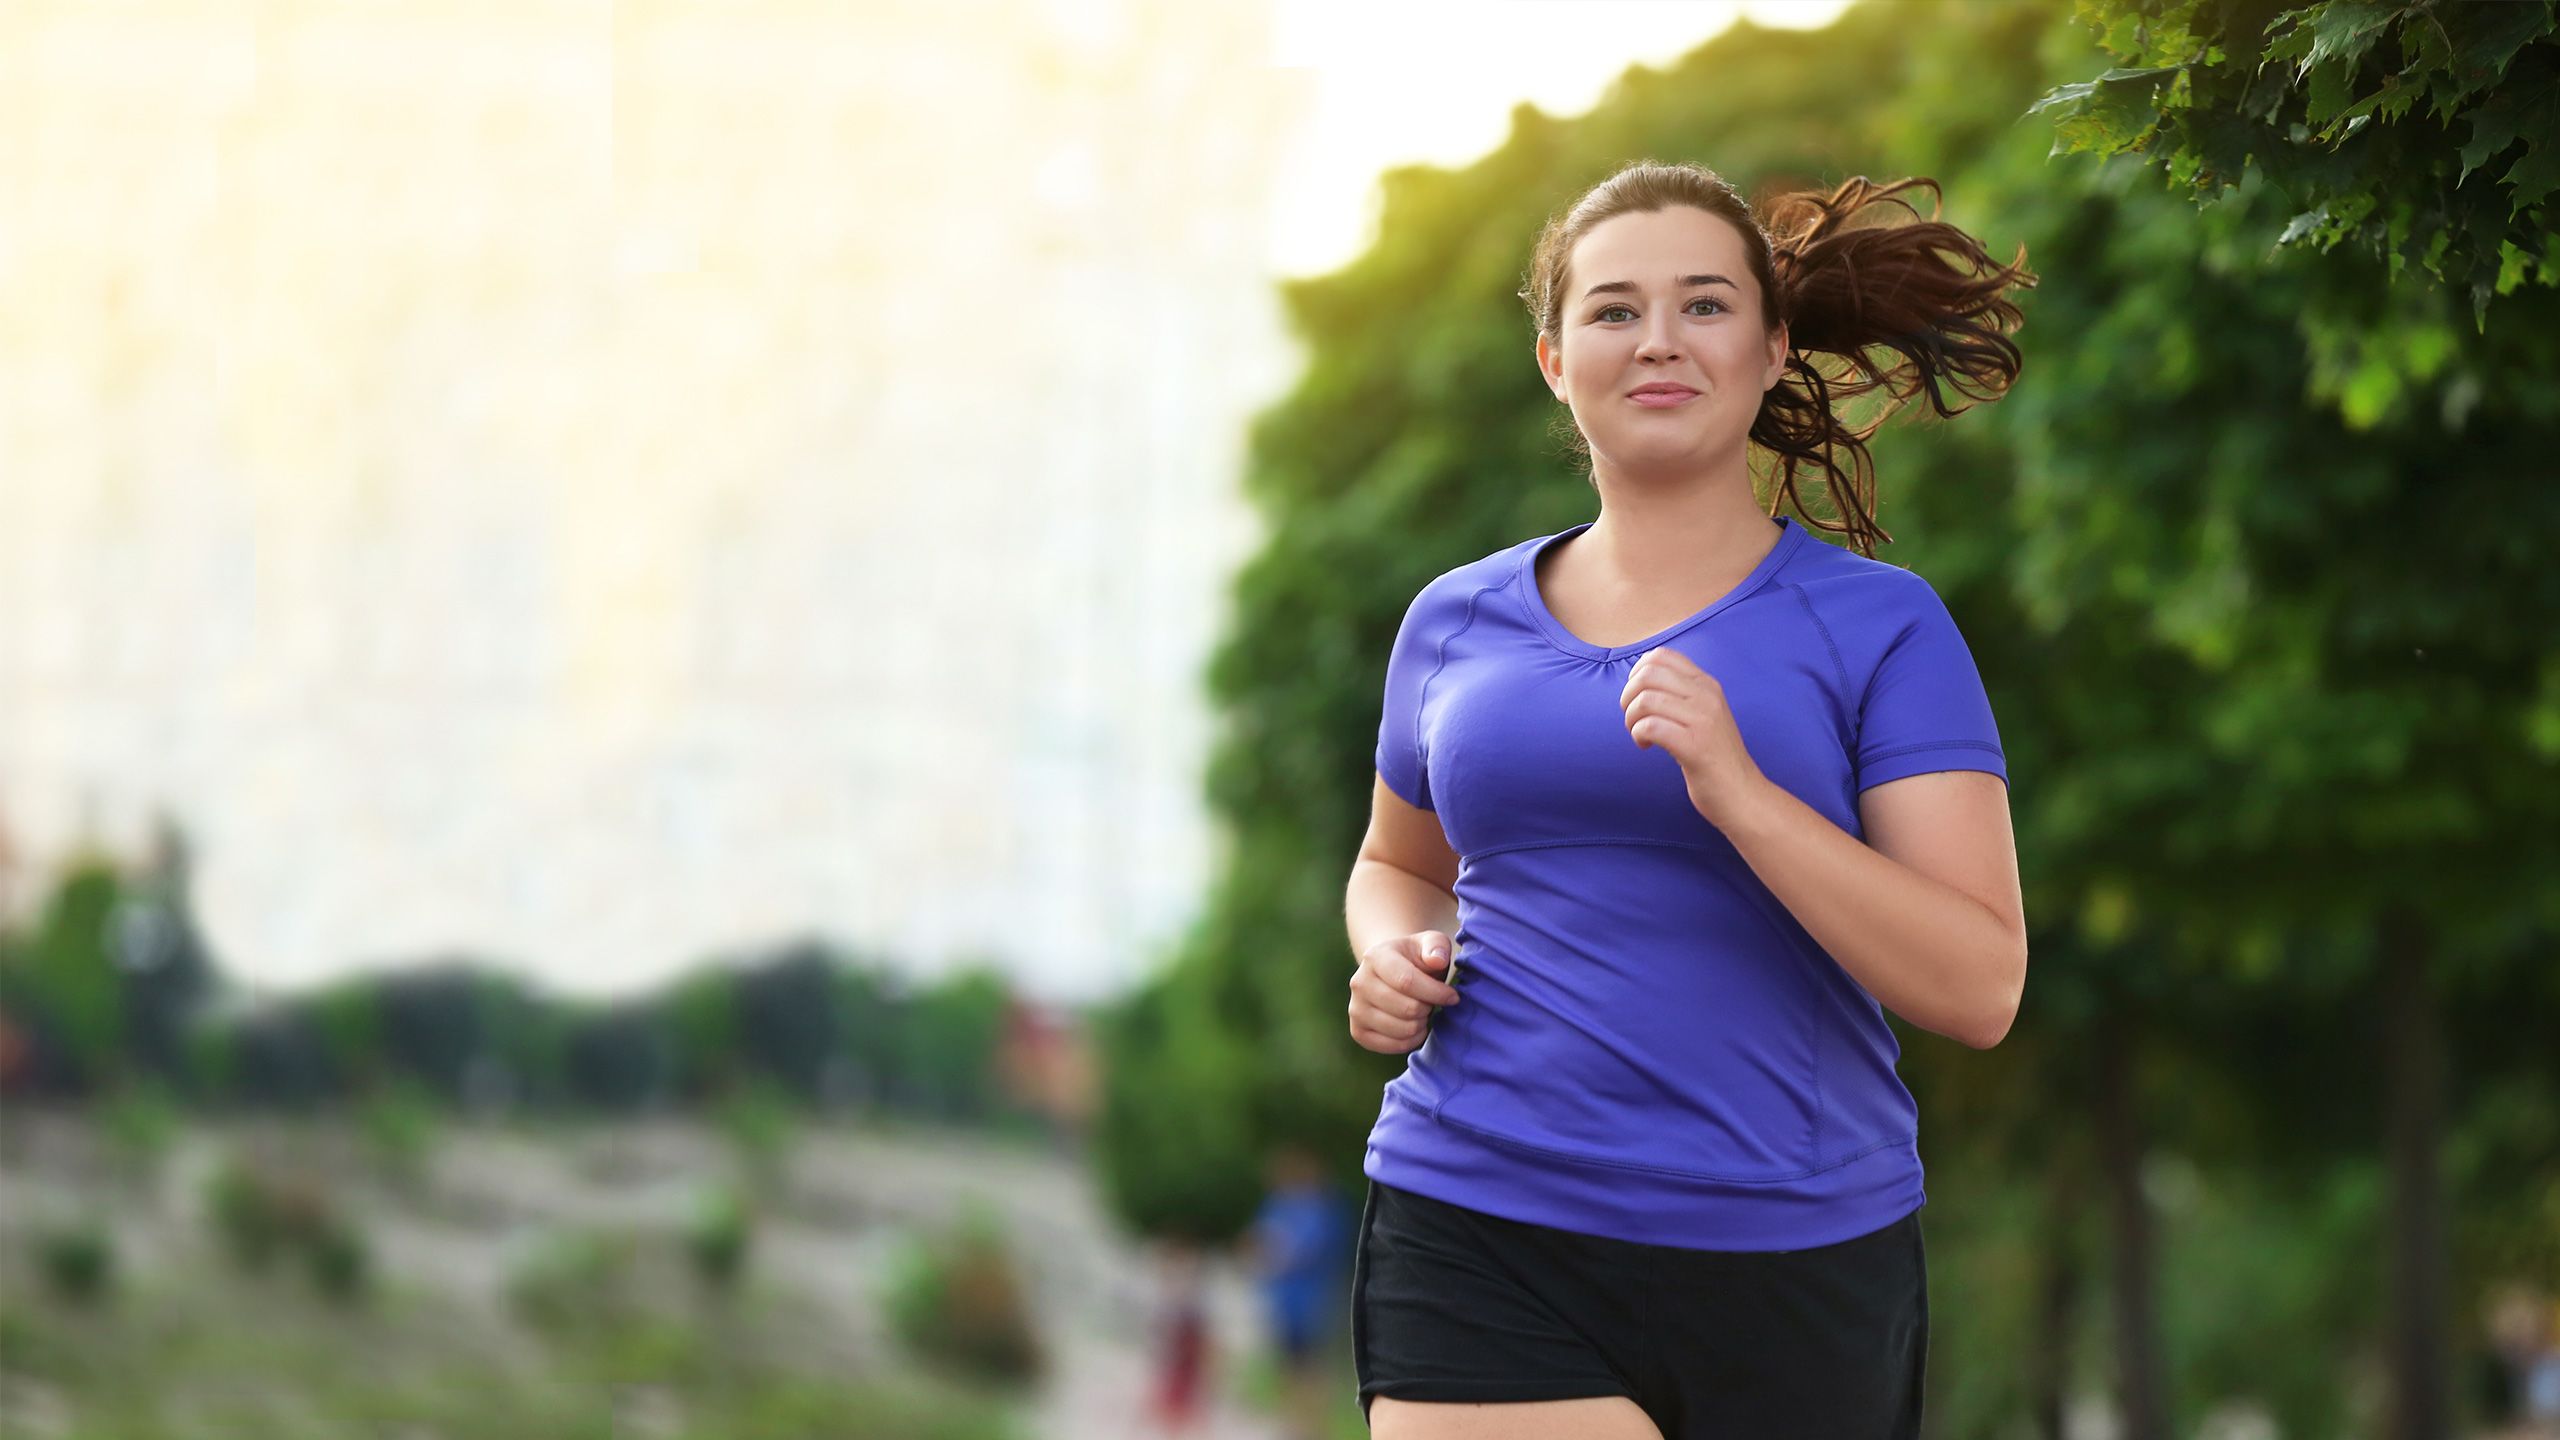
pixel 1525 577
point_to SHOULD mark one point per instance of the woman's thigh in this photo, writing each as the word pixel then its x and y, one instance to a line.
pixel 1613 1417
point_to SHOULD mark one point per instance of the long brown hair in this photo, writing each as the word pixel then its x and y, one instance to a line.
pixel 1843 289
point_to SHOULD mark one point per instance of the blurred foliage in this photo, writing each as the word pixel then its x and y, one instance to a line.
pixel 717 1238
pixel 339 1259
pixel 261 1211
pixel 247 1213
pixel 399 1125
pixel 702 1013
pixel 756 1117
pixel 945 1041
pixel 577 1280
pixel 2423 131
pixel 140 1123
pixel 186 1365
pixel 77 1259
pixel 957 1299
pixel 1172 1146
pixel 802 1025
pixel 63 978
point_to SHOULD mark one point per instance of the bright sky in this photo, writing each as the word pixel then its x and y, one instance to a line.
pixel 1435 80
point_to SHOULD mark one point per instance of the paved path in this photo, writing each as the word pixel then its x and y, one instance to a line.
pixel 853 1197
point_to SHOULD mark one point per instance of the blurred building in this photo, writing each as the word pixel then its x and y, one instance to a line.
pixel 1046 1065
pixel 599 483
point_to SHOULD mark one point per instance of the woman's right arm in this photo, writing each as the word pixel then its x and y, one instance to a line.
pixel 1401 911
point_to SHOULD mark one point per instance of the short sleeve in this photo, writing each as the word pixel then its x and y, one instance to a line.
pixel 1410 663
pixel 1925 708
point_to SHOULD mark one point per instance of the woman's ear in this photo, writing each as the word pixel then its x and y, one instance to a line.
pixel 1551 366
pixel 1777 360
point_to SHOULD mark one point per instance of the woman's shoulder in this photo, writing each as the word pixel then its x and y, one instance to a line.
pixel 1835 578
pixel 1449 593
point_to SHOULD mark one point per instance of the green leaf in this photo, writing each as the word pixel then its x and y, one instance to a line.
pixel 2493 127
pixel 2353 117
pixel 2138 73
pixel 2332 86
pixel 2344 29
pixel 2064 95
pixel 2490 35
pixel 2533 176
pixel 2122 37
pixel 2424 46
pixel 2514 264
pixel 2090 90
pixel 2292 44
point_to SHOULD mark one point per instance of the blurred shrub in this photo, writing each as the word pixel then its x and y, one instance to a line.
pixel 717 1239
pixel 399 1124
pixel 339 1260
pixel 245 1214
pixel 957 1299
pixel 757 1117
pixel 258 1214
pixel 76 1258
pixel 576 1280
pixel 140 1123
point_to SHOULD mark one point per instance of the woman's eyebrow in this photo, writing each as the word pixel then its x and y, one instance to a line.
pixel 1687 282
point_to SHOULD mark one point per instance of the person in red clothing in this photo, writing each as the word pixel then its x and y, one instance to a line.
pixel 1180 1394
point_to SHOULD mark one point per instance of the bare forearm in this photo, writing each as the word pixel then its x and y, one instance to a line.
pixel 1926 951
pixel 1382 902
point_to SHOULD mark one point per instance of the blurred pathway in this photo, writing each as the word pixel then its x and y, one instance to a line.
pixel 854 1194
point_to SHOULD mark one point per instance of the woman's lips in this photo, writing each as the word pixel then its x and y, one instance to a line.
pixel 1663 399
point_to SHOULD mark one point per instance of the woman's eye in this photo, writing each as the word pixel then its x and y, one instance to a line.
pixel 1610 310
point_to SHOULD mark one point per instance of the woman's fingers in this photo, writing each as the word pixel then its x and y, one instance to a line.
pixel 1423 982
pixel 1391 1027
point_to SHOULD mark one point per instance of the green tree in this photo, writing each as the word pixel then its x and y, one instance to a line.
pixel 2304 694
pixel 2424 131
pixel 347 1016
pixel 947 1039
pixel 62 982
pixel 1176 1158
pixel 702 1017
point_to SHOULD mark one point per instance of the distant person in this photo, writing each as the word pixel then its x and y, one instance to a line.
pixel 1300 1246
pixel 2542 1377
pixel 1685 799
pixel 1177 1401
pixel 2516 1315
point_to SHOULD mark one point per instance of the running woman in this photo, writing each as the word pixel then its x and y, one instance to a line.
pixel 1682 800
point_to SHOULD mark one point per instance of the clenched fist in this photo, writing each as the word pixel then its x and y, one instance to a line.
pixel 1397 987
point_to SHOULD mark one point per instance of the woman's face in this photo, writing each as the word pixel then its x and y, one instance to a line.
pixel 1662 298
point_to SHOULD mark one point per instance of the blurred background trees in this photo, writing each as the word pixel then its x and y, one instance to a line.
pixel 112 987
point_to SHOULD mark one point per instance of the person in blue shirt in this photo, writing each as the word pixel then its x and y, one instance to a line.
pixel 1671 807
pixel 1300 1245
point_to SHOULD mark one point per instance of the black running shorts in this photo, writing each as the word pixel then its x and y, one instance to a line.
pixel 1449 1303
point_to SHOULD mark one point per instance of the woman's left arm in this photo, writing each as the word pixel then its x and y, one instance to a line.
pixel 1925 912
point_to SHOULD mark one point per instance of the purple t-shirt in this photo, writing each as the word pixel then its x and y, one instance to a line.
pixel 1652 1047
